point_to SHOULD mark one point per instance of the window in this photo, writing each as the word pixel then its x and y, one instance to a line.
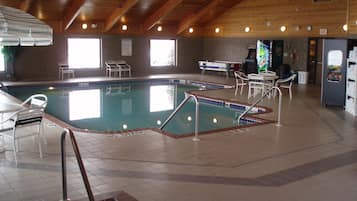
pixel 84 52
pixel 162 52
pixel 2 61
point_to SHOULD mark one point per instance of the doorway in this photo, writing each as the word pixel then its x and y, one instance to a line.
pixel 312 59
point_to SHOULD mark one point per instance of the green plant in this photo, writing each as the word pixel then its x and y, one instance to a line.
pixel 9 53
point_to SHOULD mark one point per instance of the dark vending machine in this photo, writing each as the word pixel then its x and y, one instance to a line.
pixel 334 61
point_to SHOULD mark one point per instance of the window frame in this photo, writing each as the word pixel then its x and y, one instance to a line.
pixel 100 52
pixel 175 54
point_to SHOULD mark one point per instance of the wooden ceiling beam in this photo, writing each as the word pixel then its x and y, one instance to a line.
pixel 192 19
pixel 160 13
pixel 71 12
pixel 118 13
pixel 25 5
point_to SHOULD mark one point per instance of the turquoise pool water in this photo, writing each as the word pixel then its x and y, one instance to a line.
pixel 111 107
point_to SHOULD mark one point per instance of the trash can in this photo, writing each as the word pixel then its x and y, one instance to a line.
pixel 302 77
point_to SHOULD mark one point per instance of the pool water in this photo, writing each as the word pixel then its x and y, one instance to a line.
pixel 115 107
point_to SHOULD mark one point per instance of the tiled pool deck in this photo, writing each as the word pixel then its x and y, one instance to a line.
pixel 312 157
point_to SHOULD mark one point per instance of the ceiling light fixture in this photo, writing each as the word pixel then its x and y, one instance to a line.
pixel 283 28
pixel 124 27
pixel 190 30
pixel 345 27
pixel 217 30
pixel 84 26
pixel 159 28
pixel 309 28
pixel 247 29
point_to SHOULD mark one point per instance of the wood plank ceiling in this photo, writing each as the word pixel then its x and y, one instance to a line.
pixel 263 17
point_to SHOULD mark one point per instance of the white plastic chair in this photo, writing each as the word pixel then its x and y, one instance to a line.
pixel 64 71
pixel 286 84
pixel 241 81
pixel 120 66
pixel 255 84
pixel 30 115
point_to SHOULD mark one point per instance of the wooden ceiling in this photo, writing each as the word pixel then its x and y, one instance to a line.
pixel 264 17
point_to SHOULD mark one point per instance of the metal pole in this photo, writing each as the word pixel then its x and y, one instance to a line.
pixel 64 169
pixel 80 164
pixel 260 99
pixel 195 139
pixel 175 111
pixel 279 106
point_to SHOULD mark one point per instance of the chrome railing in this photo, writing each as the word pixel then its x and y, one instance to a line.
pixel 80 164
pixel 265 94
pixel 188 97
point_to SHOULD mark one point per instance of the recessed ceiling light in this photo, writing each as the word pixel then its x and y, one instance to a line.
pixel 247 29
pixel 309 28
pixel 217 30
pixel 124 27
pixel 159 28
pixel 84 26
pixel 345 27
pixel 283 28
pixel 190 30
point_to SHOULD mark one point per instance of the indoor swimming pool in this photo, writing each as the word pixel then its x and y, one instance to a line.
pixel 109 107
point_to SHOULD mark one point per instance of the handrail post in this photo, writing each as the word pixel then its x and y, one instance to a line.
pixel 196 139
pixel 260 99
pixel 179 107
pixel 279 107
pixel 64 169
pixel 80 164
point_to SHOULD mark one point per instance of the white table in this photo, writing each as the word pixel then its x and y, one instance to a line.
pixel 262 82
pixel 7 107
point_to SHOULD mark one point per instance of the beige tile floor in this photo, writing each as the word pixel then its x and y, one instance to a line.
pixel 312 157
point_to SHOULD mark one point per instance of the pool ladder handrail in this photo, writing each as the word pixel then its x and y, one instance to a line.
pixel 188 97
pixel 80 164
pixel 265 94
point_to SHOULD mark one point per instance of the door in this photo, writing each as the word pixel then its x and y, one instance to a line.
pixel 334 72
pixel 312 47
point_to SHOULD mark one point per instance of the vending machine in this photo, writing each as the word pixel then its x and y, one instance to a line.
pixel 334 62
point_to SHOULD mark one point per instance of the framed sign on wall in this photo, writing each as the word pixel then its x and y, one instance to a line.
pixel 126 47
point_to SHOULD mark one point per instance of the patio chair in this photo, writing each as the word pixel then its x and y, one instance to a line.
pixel 241 81
pixel 286 84
pixel 64 71
pixel 31 115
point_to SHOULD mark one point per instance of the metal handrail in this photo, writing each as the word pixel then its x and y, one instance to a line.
pixel 179 107
pixel 260 99
pixel 80 164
